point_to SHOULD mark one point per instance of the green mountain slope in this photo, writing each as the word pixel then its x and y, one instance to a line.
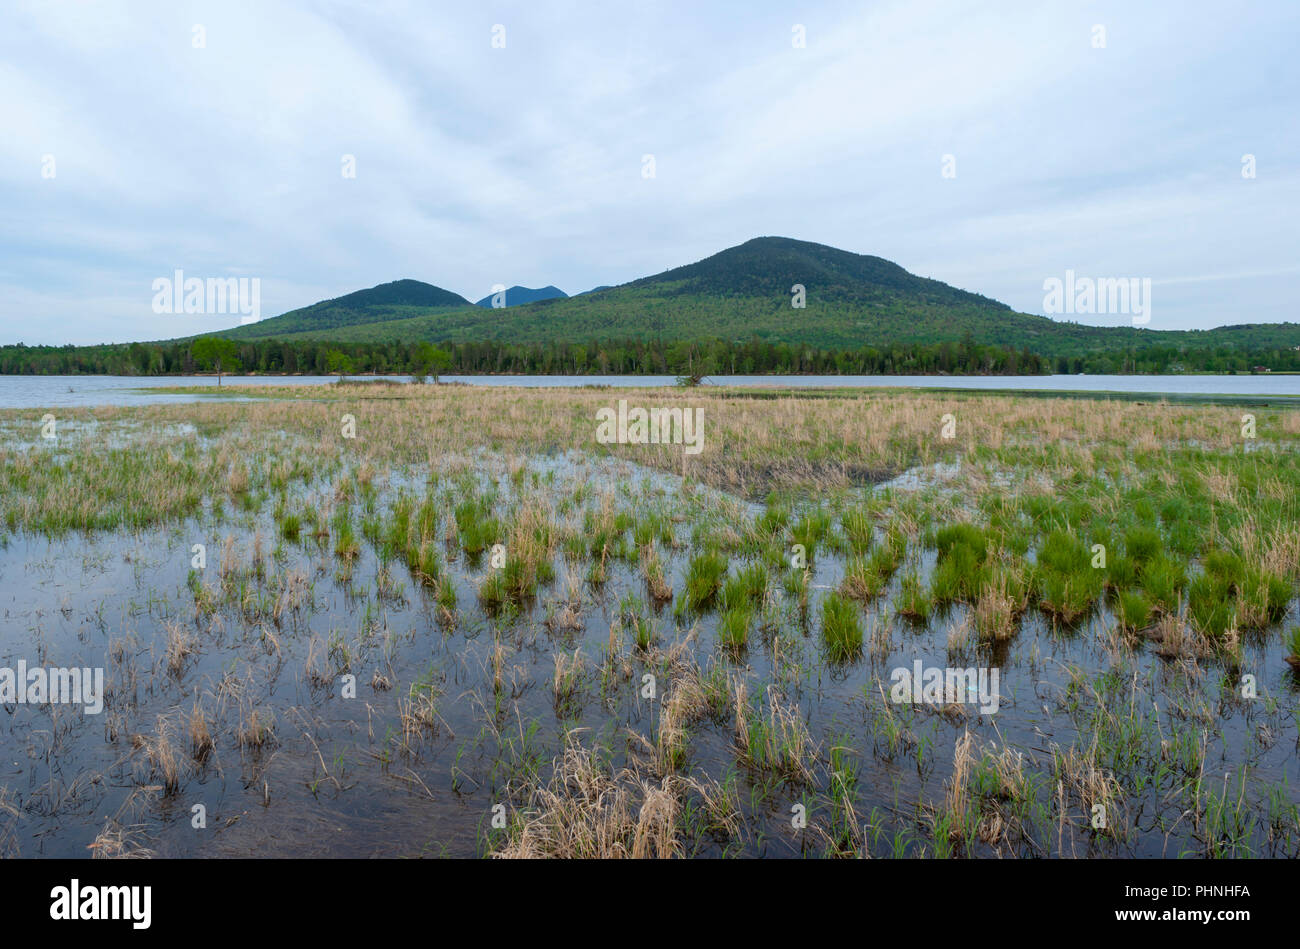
pixel 745 292
pixel 850 299
pixel 733 310
pixel 398 300
pixel 767 268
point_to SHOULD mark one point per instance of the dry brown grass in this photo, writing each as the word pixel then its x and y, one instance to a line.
pixel 180 645
pixel 1002 779
pixel 202 743
pixel 592 810
pixel 567 681
pixel 116 842
pixel 752 442
pixel 1175 638
pixel 685 704
pixel 256 728
pixel 958 637
pixel 160 752
pixel 652 569
pixel 566 616
pixel 957 799
pixel 316 665
pixel 1094 786
pixel 996 611
pixel 418 713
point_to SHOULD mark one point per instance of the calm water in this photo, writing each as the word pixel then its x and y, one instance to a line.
pixel 42 391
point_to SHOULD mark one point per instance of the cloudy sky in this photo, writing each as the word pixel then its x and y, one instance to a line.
pixel 140 138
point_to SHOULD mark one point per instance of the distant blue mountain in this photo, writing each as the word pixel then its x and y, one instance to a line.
pixel 518 295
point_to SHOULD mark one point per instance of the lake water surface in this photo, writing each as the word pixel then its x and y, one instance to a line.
pixel 54 391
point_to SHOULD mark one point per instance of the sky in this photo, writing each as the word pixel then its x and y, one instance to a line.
pixel 994 146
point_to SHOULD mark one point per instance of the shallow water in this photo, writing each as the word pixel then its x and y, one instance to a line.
pixel 68 391
pixel 336 781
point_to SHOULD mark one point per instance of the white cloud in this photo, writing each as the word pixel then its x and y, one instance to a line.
pixel 523 165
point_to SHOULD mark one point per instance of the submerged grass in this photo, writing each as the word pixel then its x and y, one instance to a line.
pixel 1047 531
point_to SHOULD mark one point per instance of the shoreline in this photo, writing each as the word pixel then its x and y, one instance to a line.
pixel 655 375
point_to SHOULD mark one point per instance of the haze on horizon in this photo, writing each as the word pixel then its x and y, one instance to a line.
pixel 479 165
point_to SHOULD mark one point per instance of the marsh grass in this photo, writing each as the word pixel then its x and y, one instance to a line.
pixel 915 602
pixel 1069 586
pixel 776 741
pixel 704 579
pixel 733 627
pixel 841 629
pixel 652 569
pixel 591 809
pixel 202 743
pixel 476 528
pixel 1203 551
pixel 632 616
pixel 810 531
pixel 858 529
pixel 164 761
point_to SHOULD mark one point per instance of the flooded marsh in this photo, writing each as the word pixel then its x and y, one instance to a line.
pixel 404 620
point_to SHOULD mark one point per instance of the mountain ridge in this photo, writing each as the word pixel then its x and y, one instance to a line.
pixel 770 289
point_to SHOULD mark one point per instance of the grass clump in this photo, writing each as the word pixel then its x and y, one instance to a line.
pixel 476 527
pixel 963 550
pixel 961 535
pixel 704 579
pixel 1213 596
pixel 1163 580
pixel 841 630
pixel 811 531
pixel 632 616
pixel 493 592
pixel 861 579
pixel 346 545
pixel 1002 598
pixel 290 527
pixel 733 627
pixel 914 601
pixel 1133 609
pixel 1069 585
pixel 447 593
pixel 857 527
pixel 1211 605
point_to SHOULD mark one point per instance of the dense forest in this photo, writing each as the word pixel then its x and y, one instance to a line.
pixel 618 357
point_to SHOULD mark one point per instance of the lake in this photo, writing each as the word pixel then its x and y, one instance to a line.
pixel 64 391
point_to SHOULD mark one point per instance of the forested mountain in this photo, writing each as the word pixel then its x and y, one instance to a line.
pixel 747 292
pixel 771 304
pixel 386 302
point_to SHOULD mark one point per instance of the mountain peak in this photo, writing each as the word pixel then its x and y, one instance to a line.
pixel 771 266
pixel 517 295
pixel 405 292
pixel 386 301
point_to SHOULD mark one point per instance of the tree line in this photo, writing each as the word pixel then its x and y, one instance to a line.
pixel 616 357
